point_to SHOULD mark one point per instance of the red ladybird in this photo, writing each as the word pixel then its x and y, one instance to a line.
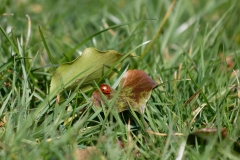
pixel 105 88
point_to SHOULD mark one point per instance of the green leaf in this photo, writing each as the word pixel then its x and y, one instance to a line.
pixel 88 67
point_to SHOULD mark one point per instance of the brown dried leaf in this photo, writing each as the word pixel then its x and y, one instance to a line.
pixel 89 153
pixel 135 92
pixel 228 60
pixel 206 134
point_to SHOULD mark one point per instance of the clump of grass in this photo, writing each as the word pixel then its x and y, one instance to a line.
pixel 196 54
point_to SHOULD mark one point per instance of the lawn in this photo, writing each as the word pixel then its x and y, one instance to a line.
pixel 190 48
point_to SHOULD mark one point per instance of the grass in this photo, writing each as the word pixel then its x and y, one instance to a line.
pixel 196 54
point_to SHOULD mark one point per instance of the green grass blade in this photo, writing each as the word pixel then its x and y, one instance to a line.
pixel 52 60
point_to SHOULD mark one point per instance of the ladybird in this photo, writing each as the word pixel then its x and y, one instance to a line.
pixel 105 88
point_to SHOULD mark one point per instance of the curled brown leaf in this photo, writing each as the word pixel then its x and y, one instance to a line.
pixel 135 90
